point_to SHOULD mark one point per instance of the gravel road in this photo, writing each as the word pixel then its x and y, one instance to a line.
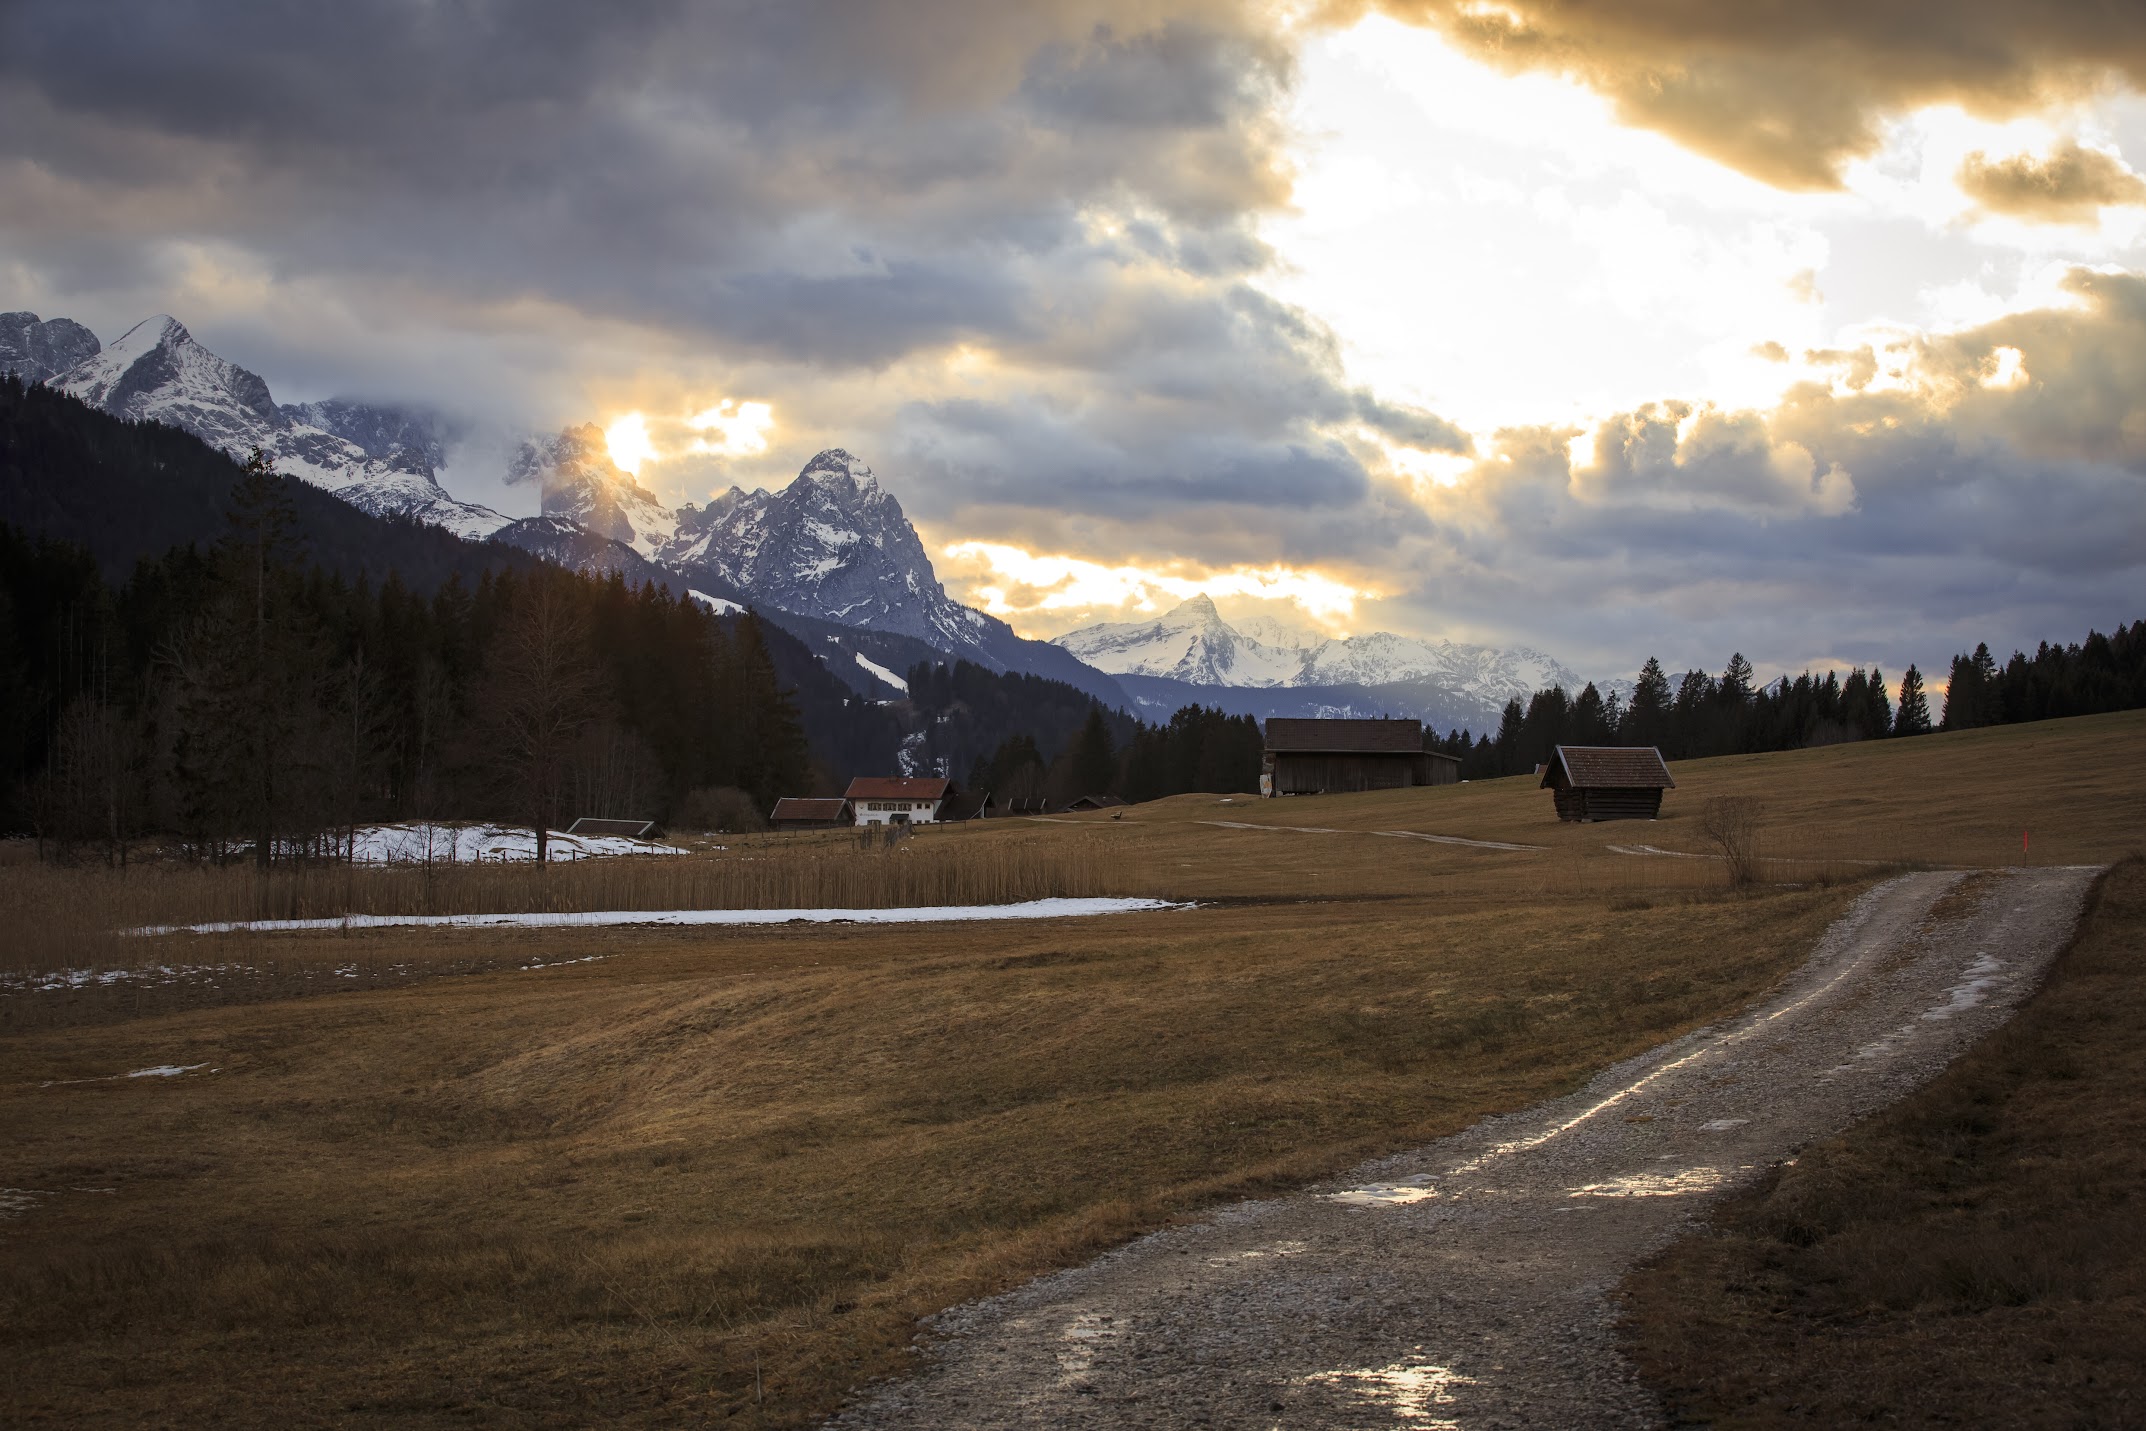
pixel 1464 1284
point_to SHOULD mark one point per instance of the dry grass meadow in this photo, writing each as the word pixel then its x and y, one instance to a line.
pixel 665 1176
pixel 1975 1255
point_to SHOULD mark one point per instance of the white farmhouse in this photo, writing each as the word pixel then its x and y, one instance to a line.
pixel 897 800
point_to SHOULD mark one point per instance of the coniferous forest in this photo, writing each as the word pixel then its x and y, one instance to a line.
pixel 245 701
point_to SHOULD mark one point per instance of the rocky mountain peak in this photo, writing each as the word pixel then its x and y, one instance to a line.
pixel 157 372
pixel 840 475
pixel 34 350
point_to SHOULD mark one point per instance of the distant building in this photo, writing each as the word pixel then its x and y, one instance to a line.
pixel 1096 802
pixel 1607 782
pixel 897 799
pixel 1312 757
pixel 795 813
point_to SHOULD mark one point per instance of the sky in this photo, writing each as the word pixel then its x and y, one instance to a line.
pixel 1645 327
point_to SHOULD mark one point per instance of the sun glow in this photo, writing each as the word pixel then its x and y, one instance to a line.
pixel 739 429
pixel 1053 591
pixel 630 444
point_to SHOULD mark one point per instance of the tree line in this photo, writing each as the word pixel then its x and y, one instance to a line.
pixel 1196 749
pixel 254 705
pixel 1702 714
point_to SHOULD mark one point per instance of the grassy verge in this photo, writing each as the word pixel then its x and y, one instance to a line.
pixel 1975 1255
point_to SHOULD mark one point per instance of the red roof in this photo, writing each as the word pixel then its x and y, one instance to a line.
pixel 897 787
pixel 1301 735
pixel 1607 767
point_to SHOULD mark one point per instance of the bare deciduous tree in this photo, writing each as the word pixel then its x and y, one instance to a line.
pixel 1731 825
pixel 538 694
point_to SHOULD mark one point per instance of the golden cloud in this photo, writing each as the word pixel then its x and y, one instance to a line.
pixel 2069 186
pixel 1789 93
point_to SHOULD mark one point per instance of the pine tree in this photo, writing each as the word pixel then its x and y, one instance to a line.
pixel 1646 720
pixel 1913 715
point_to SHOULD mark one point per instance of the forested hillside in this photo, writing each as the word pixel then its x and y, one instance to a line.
pixel 240 697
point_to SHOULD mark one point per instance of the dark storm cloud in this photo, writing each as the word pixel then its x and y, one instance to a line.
pixel 656 162
pixel 1788 92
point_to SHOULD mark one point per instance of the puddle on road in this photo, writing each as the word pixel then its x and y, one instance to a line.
pixel 1384 1195
pixel 1676 1184
pixel 1982 976
pixel 1406 1390
pixel 1258 1254
pixel 1079 1341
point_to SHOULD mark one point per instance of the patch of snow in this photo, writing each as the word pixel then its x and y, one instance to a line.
pixel 609 918
pixel 419 842
pixel 166 1070
pixel 715 603
pixel 883 673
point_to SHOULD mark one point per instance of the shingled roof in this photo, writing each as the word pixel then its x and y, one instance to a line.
pixel 897 787
pixel 1607 767
pixel 1297 736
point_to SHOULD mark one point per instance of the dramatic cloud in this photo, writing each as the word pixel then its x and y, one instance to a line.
pixel 1788 93
pixel 1078 278
pixel 2070 186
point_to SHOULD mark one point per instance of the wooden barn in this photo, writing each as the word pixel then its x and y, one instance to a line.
pixel 1312 757
pixel 797 813
pixel 1607 782
pixel 898 799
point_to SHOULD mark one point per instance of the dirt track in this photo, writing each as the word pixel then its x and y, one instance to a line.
pixel 1464 1283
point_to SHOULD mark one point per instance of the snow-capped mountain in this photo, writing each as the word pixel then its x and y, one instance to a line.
pixel 34 349
pixel 158 373
pixel 581 484
pixel 833 545
pixel 1165 660
pixel 1190 642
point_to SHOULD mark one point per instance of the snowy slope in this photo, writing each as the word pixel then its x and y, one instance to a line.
pixel 1191 643
pixel 158 373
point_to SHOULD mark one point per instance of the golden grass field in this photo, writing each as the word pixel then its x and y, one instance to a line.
pixel 718 1174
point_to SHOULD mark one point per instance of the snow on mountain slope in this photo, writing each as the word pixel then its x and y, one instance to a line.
pixel 34 350
pixel 581 483
pixel 1192 643
pixel 831 545
pixel 158 373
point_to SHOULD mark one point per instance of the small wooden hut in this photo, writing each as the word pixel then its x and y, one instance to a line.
pixel 797 813
pixel 1312 757
pixel 1094 802
pixel 1607 782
